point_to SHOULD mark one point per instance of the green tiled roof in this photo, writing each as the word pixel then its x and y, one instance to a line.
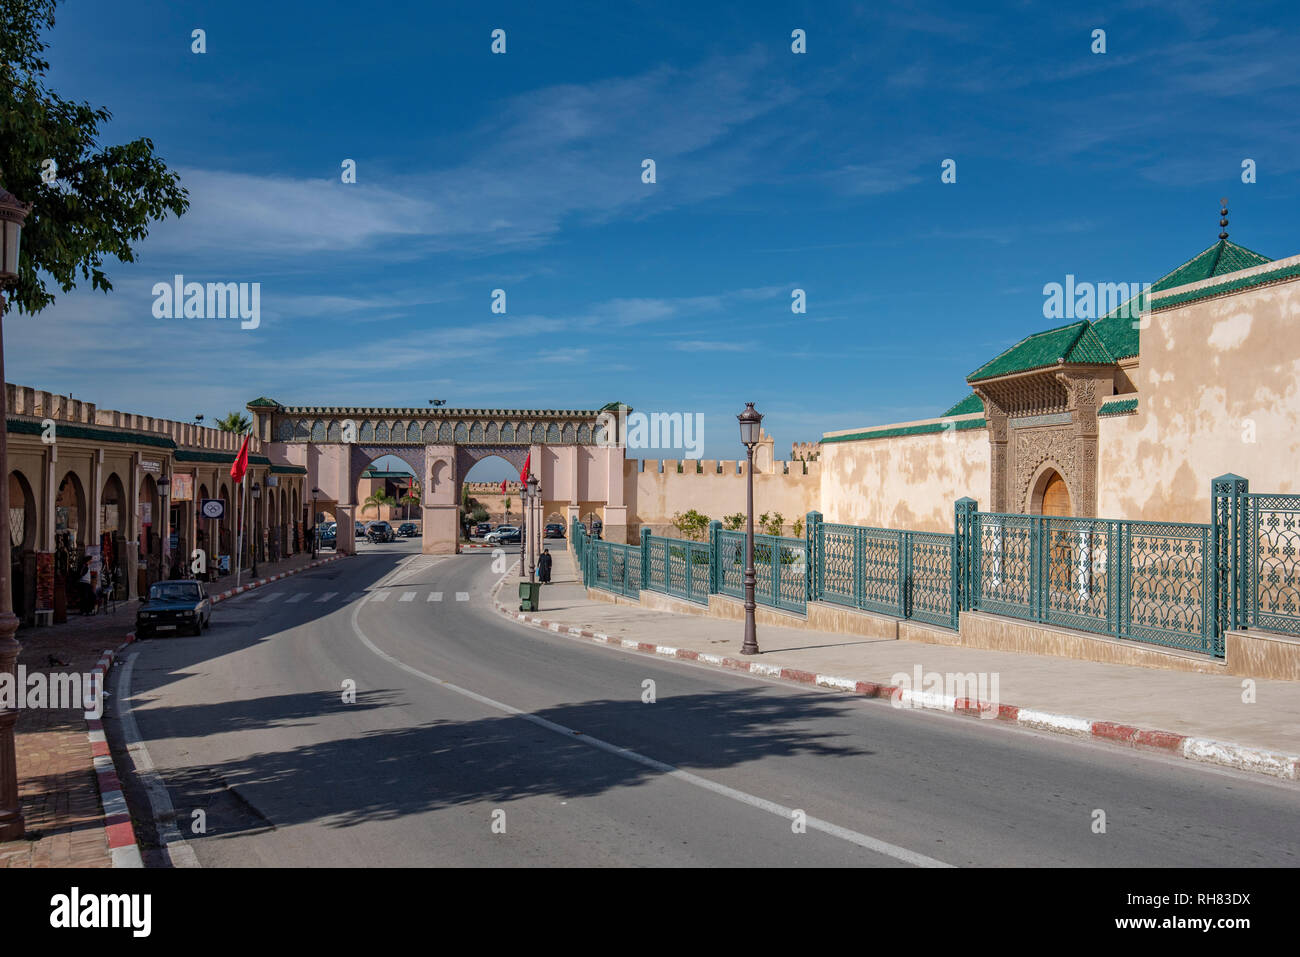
pixel 217 458
pixel 1073 343
pixel 1115 335
pixel 70 431
pixel 262 402
pixel 1118 329
pixel 289 469
pixel 889 432
pixel 1118 406
pixel 972 403
pixel 1234 285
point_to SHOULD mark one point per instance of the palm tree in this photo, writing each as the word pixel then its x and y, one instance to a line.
pixel 234 422
pixel 378 498
pixel 408 500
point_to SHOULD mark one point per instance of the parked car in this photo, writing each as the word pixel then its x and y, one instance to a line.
pixel 407 530
pixel 555 530
pixel 483 529
pixel 173 607
pixel 380 532
pixel 505 535
pixel 359 531
pixel 327 536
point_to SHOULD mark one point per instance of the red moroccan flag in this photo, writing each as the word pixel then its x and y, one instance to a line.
pixel 503 486
pixel 241 462
pixel 523 475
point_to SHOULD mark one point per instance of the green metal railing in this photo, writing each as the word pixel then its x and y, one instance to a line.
pixel 1270 561
pixel 677 567
pixel 1145 581
pixel 612 567
pixel 1181 585
pixel 890 571
pixel 780 569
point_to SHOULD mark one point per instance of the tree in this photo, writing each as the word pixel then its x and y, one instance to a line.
pixel 377 499
pixel 772 525
pixel 409 499
pixel 99 200
pixel 734 521
pixel 692 525
pixel 234 422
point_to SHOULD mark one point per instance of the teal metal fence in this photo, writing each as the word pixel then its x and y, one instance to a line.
pixel 677 567
pixel 1271 562
pixel 1180 585
pixel 780 569
pixel 1146 581
pixel 613 567
pixel 890 571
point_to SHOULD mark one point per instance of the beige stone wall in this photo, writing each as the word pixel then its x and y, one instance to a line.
pixel 1213 375
pixel 908 482
pixel 653 497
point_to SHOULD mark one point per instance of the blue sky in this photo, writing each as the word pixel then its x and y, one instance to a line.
pixel 775 171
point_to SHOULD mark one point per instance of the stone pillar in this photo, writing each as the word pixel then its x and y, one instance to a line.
pixel 49 495
pixel 439 509
pixel 999 434
pixel 345 532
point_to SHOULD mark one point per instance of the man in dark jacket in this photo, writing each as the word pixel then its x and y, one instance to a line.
pixel 544 567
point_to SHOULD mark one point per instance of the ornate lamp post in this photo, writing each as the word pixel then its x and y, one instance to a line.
pixel 12 215
pixel 530 499
pixel 257 525
pixel 750 422
pixel 314 493
pixel 164 543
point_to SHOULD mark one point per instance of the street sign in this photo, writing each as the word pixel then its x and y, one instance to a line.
pixel 213 508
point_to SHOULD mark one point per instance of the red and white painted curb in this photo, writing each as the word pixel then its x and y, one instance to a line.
pixel 1224 754
pixel 122 843
pixel 117 818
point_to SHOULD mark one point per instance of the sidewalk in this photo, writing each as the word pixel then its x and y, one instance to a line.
pixel 1193 714
pixel 58 783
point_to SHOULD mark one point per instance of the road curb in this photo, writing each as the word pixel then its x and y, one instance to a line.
pixel 1276 764
pixel 122 843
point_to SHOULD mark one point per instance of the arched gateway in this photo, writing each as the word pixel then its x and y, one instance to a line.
pixel 578 471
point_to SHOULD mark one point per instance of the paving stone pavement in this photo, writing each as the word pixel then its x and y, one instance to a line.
pixel 57 783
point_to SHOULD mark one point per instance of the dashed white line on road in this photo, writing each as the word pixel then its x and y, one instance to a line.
pixel 354 596
pixel 327 596
pixel 407 596
pixel 812 823
pixel 435 596
pixel 298 597
pixel 271 596
pixel 380 596
pixel 462 596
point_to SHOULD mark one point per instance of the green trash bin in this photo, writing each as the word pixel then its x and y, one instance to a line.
pixel 528 594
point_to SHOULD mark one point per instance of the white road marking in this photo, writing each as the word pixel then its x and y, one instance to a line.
pixel 164 813
pixel 272 596
pixel 354 596
pixel 407 596
pixel 743 797
pixel 462 596
pixel 435 596
pixel 298 597
pixel 379 596
pixel 326 597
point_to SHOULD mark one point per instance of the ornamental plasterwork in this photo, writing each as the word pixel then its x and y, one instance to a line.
pixel 1033 449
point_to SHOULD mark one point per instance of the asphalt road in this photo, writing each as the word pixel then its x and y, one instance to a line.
pixel 474 741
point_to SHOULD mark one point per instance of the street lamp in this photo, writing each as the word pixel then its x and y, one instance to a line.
pixel 257 532
pixel 164 542
pixel 314 493
pixel 751 421
pixel 12 215
pixel 529 498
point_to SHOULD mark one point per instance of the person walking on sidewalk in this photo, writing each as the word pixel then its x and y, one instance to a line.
pixel 544 567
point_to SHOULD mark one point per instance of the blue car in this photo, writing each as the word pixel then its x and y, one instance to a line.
pixel 172 608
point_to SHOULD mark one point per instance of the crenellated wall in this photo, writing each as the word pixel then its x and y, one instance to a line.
pixel 655 490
